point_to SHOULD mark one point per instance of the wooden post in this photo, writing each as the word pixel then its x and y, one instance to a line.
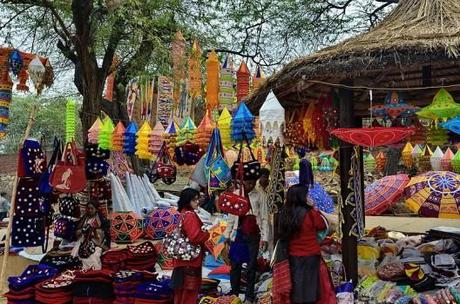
pixel 349 242
pixel 6 251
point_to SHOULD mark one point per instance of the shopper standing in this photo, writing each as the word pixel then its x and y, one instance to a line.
pixel 4 206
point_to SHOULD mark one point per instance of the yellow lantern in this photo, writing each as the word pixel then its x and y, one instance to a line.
pixel 212 81
pixel 224 123
pixel 142 146
pixel 406 155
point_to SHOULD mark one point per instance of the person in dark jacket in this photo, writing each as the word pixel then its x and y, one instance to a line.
pixel 186 277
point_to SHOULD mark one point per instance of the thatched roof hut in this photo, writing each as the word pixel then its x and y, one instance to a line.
pixel 416 45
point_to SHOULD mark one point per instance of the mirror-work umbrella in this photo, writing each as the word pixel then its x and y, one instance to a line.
pixel 321 198
pixel 381 194
pixel 434 194
pixel 372 137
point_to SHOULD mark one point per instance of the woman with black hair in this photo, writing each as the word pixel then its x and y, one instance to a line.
pixel 298 226
pixel 186 277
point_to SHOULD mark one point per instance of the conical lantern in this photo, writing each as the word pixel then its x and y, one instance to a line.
pixel 406 155
pixel 105 134
pixel 443 107
pixel 15 62
pixel 243 124
pixel 456 162
pixel 435 159
pixel 314 163
pixel 369 162
pixel 380 161
pixel 129 138
pixel 227 83
pixel 195 70
pixel 36 71
pixel 93 132
pixel 186 132
pixel 170 136
pixel 258 78
pixel 204 131
pixel 70 120
pixel 117 137
pixel 242 82
pixel 224 123
pixel 212 81
pixel 424 163
pixel 325 165
pixel 416 153
pixel 156 138
pixel 446 162
pixel 272 120
pixel 142 143
pixel 178 61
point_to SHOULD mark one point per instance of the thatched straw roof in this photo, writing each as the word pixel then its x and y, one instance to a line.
pixel 416 33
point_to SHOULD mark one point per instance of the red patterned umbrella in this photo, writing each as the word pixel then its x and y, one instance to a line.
pixel 383 193
pixel 372 137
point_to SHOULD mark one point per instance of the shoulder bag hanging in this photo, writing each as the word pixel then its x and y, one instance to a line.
pixel 217 170
pixel 232 203
pixel 68 175
pixel 251 169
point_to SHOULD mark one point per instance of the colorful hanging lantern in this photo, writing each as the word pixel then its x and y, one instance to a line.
pixel 243 124
pixel 258 78
pixel 243 77
pixel 178 61
pixel 6 87
pixel 70 120
pixel 443 107
pixel 186 132
pixel 142 143
pixel 204 131
pixel 195 70
pixel 446 161
pixel 117 137
pixel 325 164
pixel 105 134
pixel 419 137
pixel 456 162
pixel 416 152
pixel 369 162
pixel 227 83
pixel 129 145
pixel 380 161
pixel 93 132
pixel 36 71
pixel 170 136
pixel 437 136
pixel 15 62
pixel 394 106
pixel 436 158
pixel 212 81
pixel 406 155
pixel 156 138
pixel 272 120
pixel 424 163
pixel 224 124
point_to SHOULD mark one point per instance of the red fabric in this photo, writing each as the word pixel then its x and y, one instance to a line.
pixel 224 269
pixel 305 243
pixel 183 296
pixel 372 137
pixel 327 294
pixel 282 284
pixel 191 227
pixel 90 300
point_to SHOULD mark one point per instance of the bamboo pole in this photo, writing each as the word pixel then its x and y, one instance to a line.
pixel 6 251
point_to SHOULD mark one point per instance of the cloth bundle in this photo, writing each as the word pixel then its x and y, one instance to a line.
pixel 153 292
pixel 57 290
pixel 124 286
pixel 140 257
pixel 93 286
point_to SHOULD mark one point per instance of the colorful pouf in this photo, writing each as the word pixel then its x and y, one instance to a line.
pixel 125 227
pixel 161 222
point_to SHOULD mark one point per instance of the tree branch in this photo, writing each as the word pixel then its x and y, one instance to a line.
pixel 114 39
pixel 15 16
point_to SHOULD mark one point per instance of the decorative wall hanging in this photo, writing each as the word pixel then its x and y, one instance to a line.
pixel 275 188
pixel 129 145
pixel 70 120
pixel 443 107
pixel 372 137
pixel 183 109
pixel 204 131
pixel 142 143
pixel 195 70
pixel 259 78
pixel 146 98
pixel 272 120
pixel 394 106
pixel 212 81
pixel 436 158
pixel 105 134
pixel 243 124
pixel 224 124
pixel 178 62
pixel 165 100
pixel 446 161
pixel 117 137
pixel 133 95
pixel 294 134
pixel 93 132
pixel 6 87
pixel 406 155
pixel 227 84
pixel 242 82
pixel 320 126
pixel 156 138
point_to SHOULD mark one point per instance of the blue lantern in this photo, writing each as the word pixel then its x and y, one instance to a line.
pixel 15 62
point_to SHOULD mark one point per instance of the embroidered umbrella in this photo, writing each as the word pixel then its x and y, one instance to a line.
pixel 394 106
pixel 434 194
pixel 452 125
pixel 442 107
pixel 372 137
pixel 383 193
pixel 321 198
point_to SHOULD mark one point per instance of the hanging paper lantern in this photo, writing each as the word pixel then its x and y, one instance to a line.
pixel 416 152
pixel 36 71
pixel 212 81
pixel 456 162
pixel 6 86
pixel 224 124
pixel 406 155
pixel 419 136
pixel 93 132
pixel 369 162
pixel 436 158
pixel 227 83
pixel 161 222
pixel 195 70
pixel 142 143
pixel 105 134
pixel 380 162
pixel 70 120
pixel 204 131
pixel 170 136
pixel 15 62
pixel 325 165
pixel 243 124
pixel 394 106
pixel 242 82
pixel 117 137
pixel 156 138
pixel 186 132
pixel 258 78
pixel 178 61
pixel 272 120
pixel 437 136
pixel 129 145
pixel 446 161
pixel 443 107
pixel 424 163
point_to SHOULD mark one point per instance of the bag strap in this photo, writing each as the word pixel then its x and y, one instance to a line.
pixel 212 147
pixel 56 152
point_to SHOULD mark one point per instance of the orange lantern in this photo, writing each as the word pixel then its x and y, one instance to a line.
pixel 204 131
pixel 178 61
pixel 212 82
pixel 117 137
pixel 242 82
pixel 258 78
pixel 446 161
pixel 194 71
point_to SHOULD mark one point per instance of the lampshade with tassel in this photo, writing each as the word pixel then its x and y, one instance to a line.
pixel 129 145
pixel 226 84
pixel 93 132
pixel 212 81
pixel 142 143
pixel 242 82
pixel 272 120
pixel 70 120
pixel 406 155
pixel 436 158
pixel 117 137
pixel 105 134
pixel 156 138
pixel 224 123
pixel 446 162
pixel 194 73
pixel 243 124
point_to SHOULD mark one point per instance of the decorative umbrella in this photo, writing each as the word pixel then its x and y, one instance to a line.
pixel 321 198
pixel 394 106
pixel 452 125
pixel 442 107
pixel 434 194
pixel 383 193
pixel 372 137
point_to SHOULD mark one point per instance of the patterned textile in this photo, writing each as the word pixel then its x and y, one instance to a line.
pixel 275 188
pixel 125 227
pixel 161 222
pixel 372 137
pixel 282 284
pixel 382 193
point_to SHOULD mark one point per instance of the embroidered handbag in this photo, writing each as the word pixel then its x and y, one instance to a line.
pixel 33 157
pixel 125 227
pixel 96 168
pixel 68 175
pixel 178 246
pixel 216 168
pixel 28 231
pixel 87 248
pixel 236 204
pixel 164 166
pixel 94 151
pixel 251 169
pixel 188 154
pixel 69 206
pixel 45 186
pixel 64 228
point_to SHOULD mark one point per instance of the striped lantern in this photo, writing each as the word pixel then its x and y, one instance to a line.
pixel 212 82
pixel 258 78
pixel 242 82
pixel 178 61
pixel 6 87
pixel 195 70
pixel 226 88
pixel 142 143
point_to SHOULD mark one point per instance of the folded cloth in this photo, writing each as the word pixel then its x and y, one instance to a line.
pixel 25 294
pixel 32 275
pixel 146 301
pixel 91 300
pixel 93 289
pixel 115 260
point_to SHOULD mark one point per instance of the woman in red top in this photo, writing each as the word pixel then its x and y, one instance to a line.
pixel 298 225
pixel 186 277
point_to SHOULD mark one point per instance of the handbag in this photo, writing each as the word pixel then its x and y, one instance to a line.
pixel 68 175
pixel 44 185
pixel 164 166
pixel 251 169
pixel 87 248
pixel 178 246
pixel 188 154
pixel 94 151
pixel 216 168
pixel 236 204
pixel 64 228
pixel 96 168
pixel 198 175
pixel 33 158
pixel 69 206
